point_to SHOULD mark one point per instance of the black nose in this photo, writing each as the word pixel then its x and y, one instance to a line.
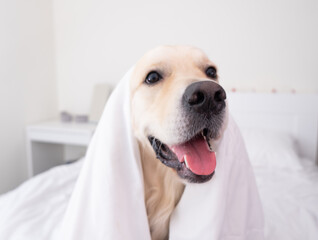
pixel 204 97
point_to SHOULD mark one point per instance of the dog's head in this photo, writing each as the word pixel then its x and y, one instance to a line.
pixel 179 109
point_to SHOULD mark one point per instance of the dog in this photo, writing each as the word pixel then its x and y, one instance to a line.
pixel 178 113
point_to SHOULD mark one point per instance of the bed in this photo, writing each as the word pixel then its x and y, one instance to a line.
pixel 280 132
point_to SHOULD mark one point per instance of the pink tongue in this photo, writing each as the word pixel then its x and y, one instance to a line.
pixel 199 159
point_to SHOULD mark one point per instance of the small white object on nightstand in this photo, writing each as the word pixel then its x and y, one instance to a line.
pixel 46 142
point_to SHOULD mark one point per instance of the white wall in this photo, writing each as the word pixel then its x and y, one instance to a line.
pixel 257 45
pixel 27 80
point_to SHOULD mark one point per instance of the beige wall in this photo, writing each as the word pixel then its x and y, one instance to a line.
pixel 258 45
pixel 27 80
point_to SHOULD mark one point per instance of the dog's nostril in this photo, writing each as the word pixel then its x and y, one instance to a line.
pixel 219 96
pixel 196 98
pixel 204 97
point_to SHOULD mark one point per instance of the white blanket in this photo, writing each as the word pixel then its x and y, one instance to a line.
pixel 108 199
pixel 34 210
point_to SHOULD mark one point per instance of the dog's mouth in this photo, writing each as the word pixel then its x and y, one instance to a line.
pixel 194 160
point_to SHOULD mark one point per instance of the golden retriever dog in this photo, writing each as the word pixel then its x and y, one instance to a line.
pixel 178 112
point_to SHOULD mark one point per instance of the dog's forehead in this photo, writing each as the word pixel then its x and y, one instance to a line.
pixel 171 59
pixel 174 55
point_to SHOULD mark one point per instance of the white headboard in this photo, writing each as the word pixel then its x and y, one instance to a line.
pixel 296 114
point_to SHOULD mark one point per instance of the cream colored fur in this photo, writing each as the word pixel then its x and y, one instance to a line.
pixel 163 190
pixel 155 111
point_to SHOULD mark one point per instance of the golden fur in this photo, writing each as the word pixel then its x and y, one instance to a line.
pixel 155 111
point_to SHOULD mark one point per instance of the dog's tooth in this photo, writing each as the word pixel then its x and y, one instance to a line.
pixel 204 137
pixel 209 145
pixel 185 160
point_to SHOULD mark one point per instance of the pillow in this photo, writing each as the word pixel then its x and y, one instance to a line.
pixel 271 149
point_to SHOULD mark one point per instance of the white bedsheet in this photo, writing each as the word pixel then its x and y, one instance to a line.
pixel 290 202
pixel 289 197
pixel 34 210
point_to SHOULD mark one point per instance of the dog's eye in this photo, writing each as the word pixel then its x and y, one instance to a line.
pixel 152 77
pixel 211 72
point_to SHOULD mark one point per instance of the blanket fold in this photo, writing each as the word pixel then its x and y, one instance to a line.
pixel 108 199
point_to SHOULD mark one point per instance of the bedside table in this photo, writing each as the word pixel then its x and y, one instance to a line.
pixel 46 143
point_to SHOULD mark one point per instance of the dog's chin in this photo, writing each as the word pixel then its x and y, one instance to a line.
pixel 174 158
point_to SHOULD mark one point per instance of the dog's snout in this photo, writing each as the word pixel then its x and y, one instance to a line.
pixel 204 97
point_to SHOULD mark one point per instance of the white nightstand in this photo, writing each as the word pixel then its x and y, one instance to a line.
pixel 46 143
